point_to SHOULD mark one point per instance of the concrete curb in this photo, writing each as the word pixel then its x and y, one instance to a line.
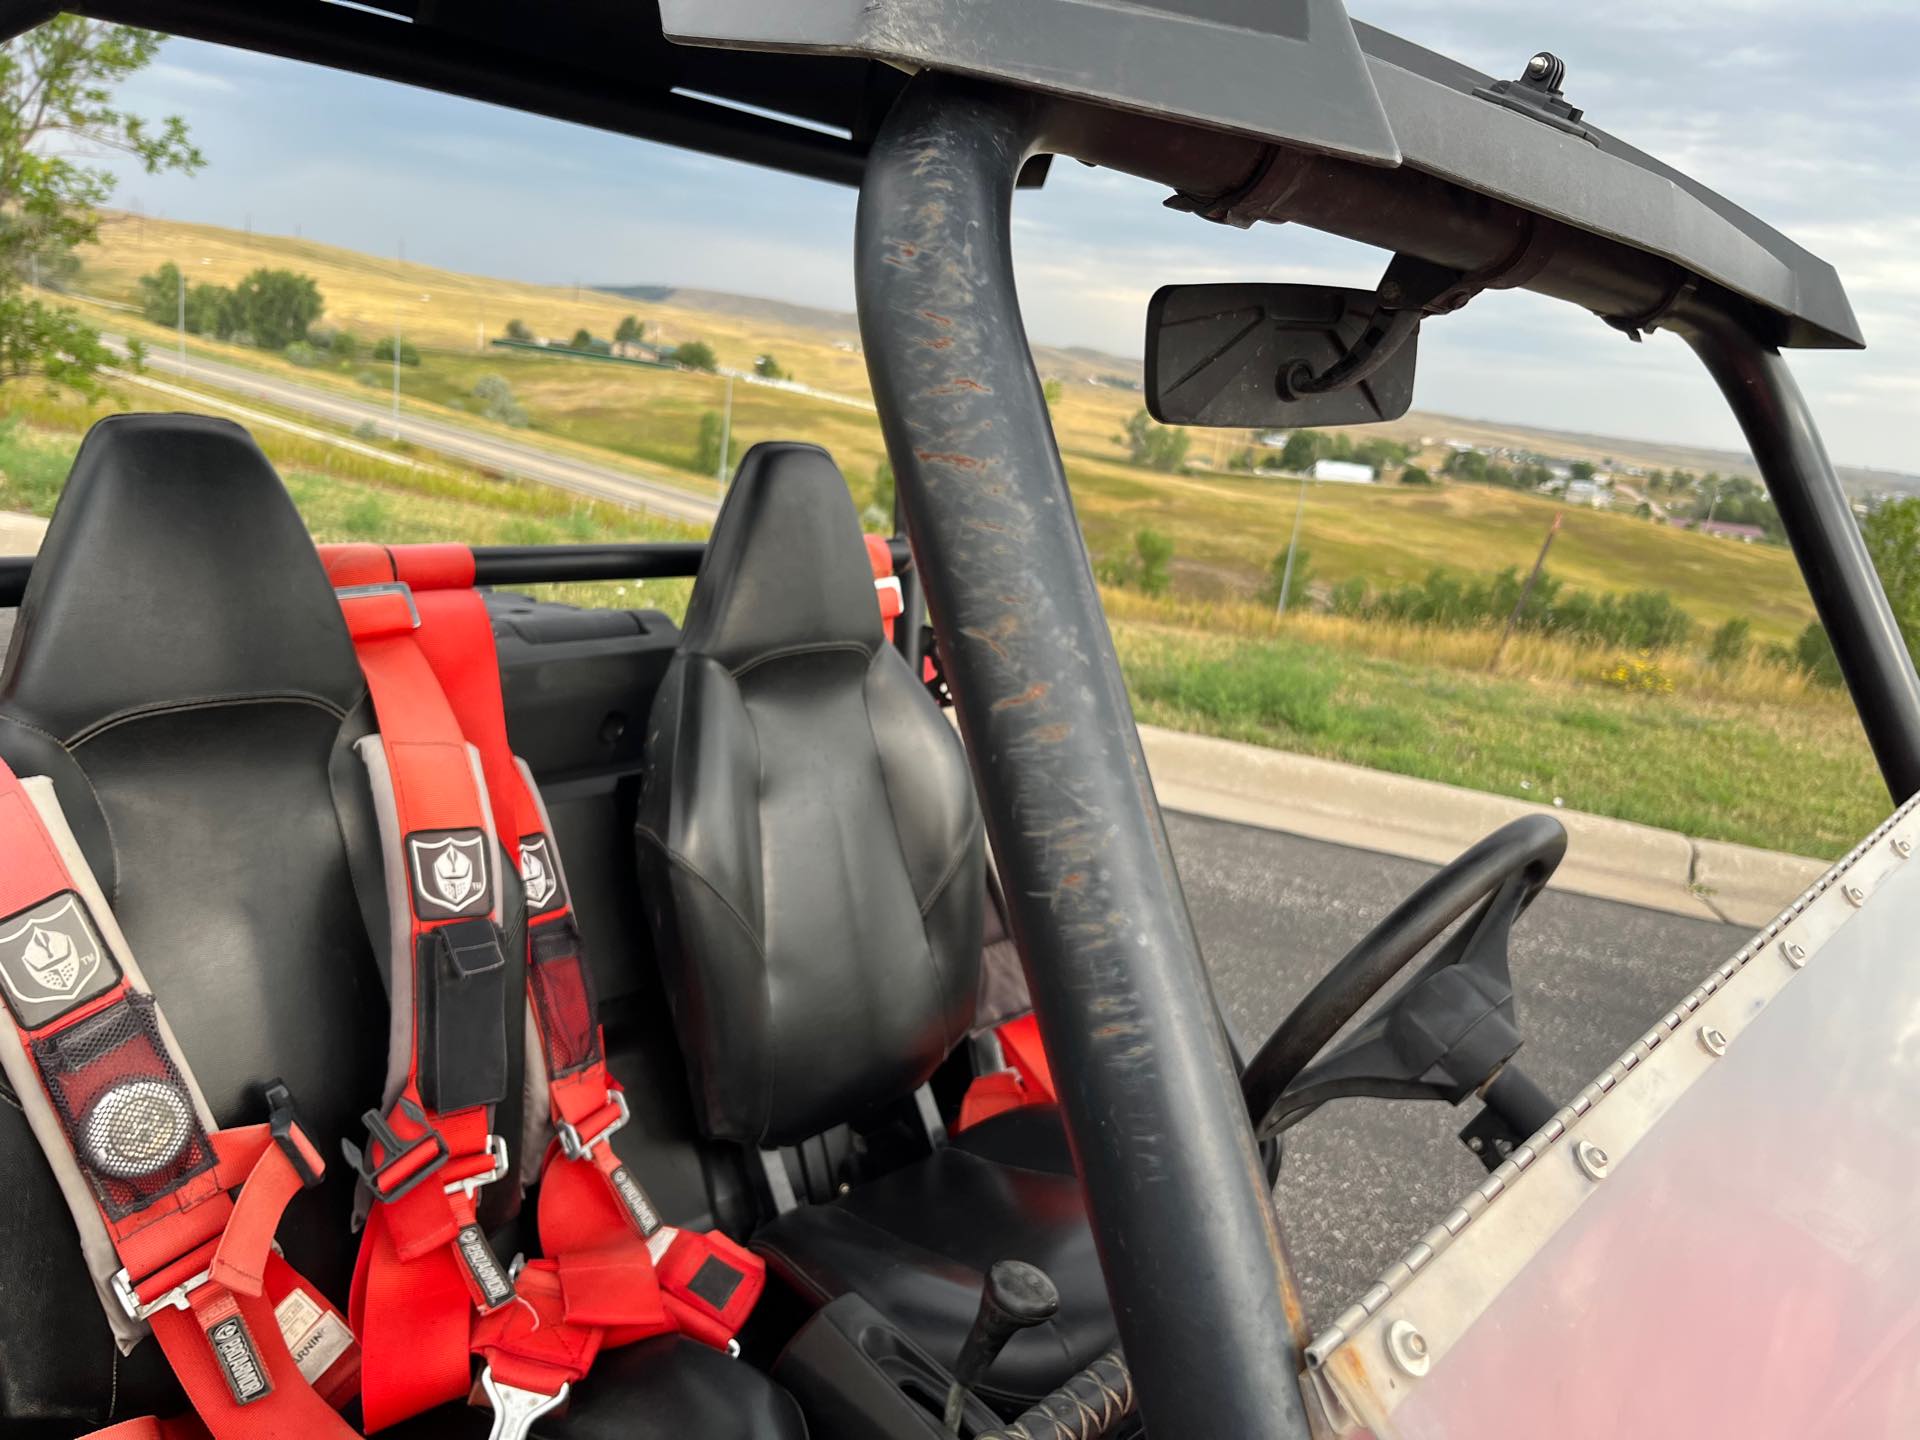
pixel 1425 820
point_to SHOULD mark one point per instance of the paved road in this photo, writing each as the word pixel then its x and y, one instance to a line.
pixel 472 447
pixel 1364 1178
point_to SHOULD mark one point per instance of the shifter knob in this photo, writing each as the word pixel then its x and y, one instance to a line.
pixel 1017 1296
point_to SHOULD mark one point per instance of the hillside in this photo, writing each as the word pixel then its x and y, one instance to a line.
pixel 1226 528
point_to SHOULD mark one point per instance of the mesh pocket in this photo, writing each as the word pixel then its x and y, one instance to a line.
pixel 563 993
pixel 125 1108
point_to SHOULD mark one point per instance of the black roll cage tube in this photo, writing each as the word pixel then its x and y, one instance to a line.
pixel 1191 1245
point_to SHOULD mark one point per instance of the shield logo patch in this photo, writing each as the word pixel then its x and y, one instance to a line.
pixel 450 873
pixel 539 875
pixel 52 959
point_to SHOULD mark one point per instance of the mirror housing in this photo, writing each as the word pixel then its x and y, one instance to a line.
pixel 1226 355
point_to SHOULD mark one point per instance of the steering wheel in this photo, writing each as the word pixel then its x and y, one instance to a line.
pixel 1447 1032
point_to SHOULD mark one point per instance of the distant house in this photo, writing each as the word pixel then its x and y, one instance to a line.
pixel 1745 534
pixel 1343 472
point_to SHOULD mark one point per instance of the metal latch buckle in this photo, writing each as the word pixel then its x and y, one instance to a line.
pixel 574 1148
pixel 386 587
pixel 174 1299
pixel 514 1409
pixel 497 1148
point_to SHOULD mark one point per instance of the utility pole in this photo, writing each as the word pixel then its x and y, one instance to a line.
pixel 726 435
pixel 183 314
pixel 1293 543
pixel 396 369
pixel 1526 590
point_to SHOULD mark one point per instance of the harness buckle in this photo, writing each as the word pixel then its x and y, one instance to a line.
pixel 174 1299
pixel 574 1148
pixel 290 1137
pixel 396 1150
pixel 386 587
pixel 497 1148
pixel 514 1409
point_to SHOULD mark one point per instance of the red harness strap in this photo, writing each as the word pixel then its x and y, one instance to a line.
pixel 425 1264
pixel 197 1264
pixel 598 1227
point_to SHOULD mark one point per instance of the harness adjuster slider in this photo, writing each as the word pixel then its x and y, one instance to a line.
pixel 497 1148
pixel 514 1409
pixel 174 1299
pixel 574 1148
pixel 399 588
pixel 396 1150
pixel 290 1137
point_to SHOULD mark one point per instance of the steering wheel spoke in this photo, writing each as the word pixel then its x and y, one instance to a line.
pixel 1450 1029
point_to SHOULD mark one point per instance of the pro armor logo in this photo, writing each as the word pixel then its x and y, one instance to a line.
pixel 52 960
pixel 239 1361
pixel 540 875
pixel 450 873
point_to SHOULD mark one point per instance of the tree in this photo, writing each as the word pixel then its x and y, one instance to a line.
pixel 630 331
pixel 883 489
pixel 383 350
pixel 582 339
pixel 275 307
pixel 159 295
pixel 517 330
pixel 56 99
pixel 1581 469
pixel 1301 450
pixel 1297 582
pixel 1466 465
pixel 1160 446
pixel 768 368
pixel 1414 475
pixel 696 355
pixel 1053 390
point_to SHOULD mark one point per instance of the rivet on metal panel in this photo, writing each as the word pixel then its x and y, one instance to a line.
pixel 1856 897
pixel 1902 846
pixel 1407 1348
pixel 1713 1040
pixel 1592 1160
pixel 1795 953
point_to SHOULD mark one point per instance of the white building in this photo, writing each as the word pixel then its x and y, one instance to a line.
pixel 1344 472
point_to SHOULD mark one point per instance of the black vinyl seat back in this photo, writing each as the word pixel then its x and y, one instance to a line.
pixel 181 670
pixel 809 839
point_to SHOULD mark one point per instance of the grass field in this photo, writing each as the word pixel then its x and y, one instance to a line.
pixel 1750 752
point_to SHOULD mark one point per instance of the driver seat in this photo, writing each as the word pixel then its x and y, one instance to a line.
pixel 812 858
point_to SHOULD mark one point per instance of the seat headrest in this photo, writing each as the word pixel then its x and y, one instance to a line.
pixel 785 566
pixel 175 571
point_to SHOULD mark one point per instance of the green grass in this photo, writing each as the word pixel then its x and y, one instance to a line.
pixel 1779 779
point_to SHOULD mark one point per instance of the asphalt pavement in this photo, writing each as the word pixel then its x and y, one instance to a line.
pixel 474 447
pixel 1364 1178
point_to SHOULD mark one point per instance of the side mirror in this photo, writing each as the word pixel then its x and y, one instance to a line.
pixel 1277 356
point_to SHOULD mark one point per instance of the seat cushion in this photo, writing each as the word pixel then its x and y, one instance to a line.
pixel 917 1244
pixel 661 1389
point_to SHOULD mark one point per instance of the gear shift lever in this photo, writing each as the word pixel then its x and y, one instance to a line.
pixel 1017 1296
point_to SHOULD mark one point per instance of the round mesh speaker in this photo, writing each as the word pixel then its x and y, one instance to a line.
pixel 138 1127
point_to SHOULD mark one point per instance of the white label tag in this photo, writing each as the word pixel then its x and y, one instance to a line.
pixel 316 1336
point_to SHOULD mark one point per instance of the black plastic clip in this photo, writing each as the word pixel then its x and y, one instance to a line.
pixel 396 1150
pixel 282 1124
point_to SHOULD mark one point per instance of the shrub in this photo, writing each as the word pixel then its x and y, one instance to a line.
pixel 496 400
pixel 517 330
pixel 1296 583
pixel 383 350
pixel 1813 653
pixel 1731 642
pixel 1414 475
pixel 345 348
pixel 1153 556
pixel 1159 446
pixel 301 353
pixel 1640 674
pixel 582 339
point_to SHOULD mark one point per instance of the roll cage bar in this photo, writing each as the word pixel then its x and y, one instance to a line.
pixel 1422 164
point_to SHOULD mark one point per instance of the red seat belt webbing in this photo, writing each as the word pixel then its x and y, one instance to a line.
pixel 195 1262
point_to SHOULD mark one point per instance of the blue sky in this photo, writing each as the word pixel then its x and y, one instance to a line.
pixel 1804 113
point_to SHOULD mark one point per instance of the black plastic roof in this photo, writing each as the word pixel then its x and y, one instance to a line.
pixel 1295 73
